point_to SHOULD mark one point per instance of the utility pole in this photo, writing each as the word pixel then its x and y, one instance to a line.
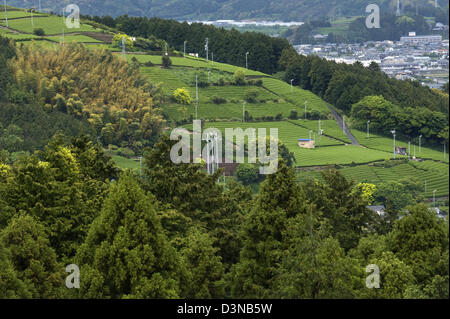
pixel 208 152
pixel 368 129
pixel 184 48
pixel 393 133
pixel 320 135
pixel 246 59
pixel 124 51
pixel 212 154
pixel 409 150
pixel 305 111
pixel 320 131
pixel 292 87
pixel 420 144
pixel 398 13
pixel 434 198
pixel 196 97
pixel 243 112
pixel 415 151
pixel 207 49
pixel 32 20
pixel 212 57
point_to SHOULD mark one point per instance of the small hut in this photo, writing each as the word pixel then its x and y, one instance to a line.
pixel 306 143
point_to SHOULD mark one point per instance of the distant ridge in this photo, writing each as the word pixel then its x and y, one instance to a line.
pixel 284 10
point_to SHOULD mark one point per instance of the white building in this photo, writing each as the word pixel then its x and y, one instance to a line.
pixel 421 39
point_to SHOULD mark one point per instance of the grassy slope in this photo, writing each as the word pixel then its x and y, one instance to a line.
pixel 333 150
pixel 125 163
pixel 330 152
pixel 433 173
pixel 279 98
pixel 51 25
pixel 386 144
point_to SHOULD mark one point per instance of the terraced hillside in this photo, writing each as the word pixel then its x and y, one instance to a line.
pixel 331 151
pixel 280 97
pixel 386 144
pixel 270 103
pixel 432 175
pixel 275 98
pixel 22 24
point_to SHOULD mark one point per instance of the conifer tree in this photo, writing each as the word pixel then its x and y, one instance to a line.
pixel 11 287
pixel 126 253
pixel 33 258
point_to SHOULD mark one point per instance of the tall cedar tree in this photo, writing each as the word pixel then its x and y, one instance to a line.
pixel 126 253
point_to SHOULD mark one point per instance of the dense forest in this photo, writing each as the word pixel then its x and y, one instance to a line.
pixel 284 10
pixel 175 233
pixel 369 94
pixel 74 90
pixel 171 230
pixel 227 46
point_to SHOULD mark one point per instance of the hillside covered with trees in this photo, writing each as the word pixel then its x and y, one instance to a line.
pixel 134 238
pixel 75 90
pixel 227 46
pixel 405 105
pixel 161 230
pixel 284 10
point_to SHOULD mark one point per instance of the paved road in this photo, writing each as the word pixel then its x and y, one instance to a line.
pixel 340 122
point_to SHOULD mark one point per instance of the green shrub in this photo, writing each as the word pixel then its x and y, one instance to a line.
pixel 247 173
pixel 251 96
pixel 202 80
pixel 126 152
pixel 218 100
pixel 117 41
pixel 39 32
pixel 239 77
pixel 166 61
pixel 182 96
pixel 293 115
